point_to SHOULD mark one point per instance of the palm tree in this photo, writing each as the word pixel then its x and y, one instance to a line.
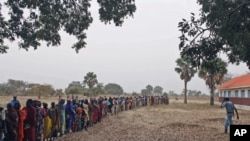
pixel 213 72
pixel 90 80
pixel 186 71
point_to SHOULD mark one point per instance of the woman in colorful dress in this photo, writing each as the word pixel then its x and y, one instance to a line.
pixel 30 122
pixel 21 117
pixel 54 120
pixel 47 123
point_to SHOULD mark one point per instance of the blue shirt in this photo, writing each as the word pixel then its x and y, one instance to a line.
pixel 229 106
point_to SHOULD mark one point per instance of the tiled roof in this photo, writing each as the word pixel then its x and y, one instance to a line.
pixel 240 81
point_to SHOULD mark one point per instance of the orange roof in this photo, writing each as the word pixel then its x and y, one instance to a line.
pixel 240 81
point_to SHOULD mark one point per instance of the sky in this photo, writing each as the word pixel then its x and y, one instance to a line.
pixel 141 52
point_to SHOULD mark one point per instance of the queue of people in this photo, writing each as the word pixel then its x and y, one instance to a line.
pixel 40 121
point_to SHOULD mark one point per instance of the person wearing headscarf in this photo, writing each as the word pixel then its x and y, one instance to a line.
pixel 11 123
pixel 40 115
pixel 47 123
pixel 22 114
pixel 30 122
pixel 77 122
pixel 95 111
pixel 54 120
pixel 70 116
pixel 61 116
pixel 85 114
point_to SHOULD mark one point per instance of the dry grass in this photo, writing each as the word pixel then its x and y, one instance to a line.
pixel 195 121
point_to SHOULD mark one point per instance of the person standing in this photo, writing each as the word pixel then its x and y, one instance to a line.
pixel 14 101
pixel 54 120
pixel 11 123
pixel 30 122
pixel 47 129
pixel 230 108
pixel 21 117
pixel 70 116
pixel 61 116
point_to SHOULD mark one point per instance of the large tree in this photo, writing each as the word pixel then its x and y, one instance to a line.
pixel 113 88
pixel 34 21
pixel 221 26
pixel 158 89
pixel 75 87
pixel 186 72
pixel 90 80
pixel 213 73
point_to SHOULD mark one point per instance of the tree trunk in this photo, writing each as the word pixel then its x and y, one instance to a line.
pixel 185 92
pixel 212 91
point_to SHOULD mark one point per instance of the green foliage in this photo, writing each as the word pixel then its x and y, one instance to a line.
pixel 113 88
pixel 13 87
pixel 165 94
pixel 34 21
pixel 172 93
pixel 145 92
pixel 116 10
pixel 222 26
pixel 75 87
pixel 158 89
pixel 99 89
pixel 185 69
pixel 149 88
pixel 186 72
pixel 90 79
pixel 193 93
pixel 213 73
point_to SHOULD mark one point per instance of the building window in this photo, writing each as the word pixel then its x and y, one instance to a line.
pixel 236 94
pixel 229 93
pixel 225 94
pixel 248 93
pixel 242 93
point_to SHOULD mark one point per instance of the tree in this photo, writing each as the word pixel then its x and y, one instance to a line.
pixel 158 89
pixel 113 88
pixel 145 92
pixel 75 87
pixel 35 21
pixel 99 89
pixel 213 72
pixel 149 88
pixel 58 92
pixel 90 80
pixel 222 26
pixel 186 72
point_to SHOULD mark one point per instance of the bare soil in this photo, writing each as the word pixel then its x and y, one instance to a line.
pixel 195 121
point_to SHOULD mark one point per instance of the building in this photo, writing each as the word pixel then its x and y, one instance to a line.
pixel 237 89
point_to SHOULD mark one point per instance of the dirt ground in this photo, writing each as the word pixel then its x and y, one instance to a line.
pixel 195 121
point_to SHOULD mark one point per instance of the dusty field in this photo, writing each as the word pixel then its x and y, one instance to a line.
pixel 196 121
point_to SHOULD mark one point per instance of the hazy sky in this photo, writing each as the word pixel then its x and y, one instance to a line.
pixel 141 52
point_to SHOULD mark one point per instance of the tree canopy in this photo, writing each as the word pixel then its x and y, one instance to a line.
pixel 221 26
pixel 113 88
pixel 213 73
pixel 34 21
